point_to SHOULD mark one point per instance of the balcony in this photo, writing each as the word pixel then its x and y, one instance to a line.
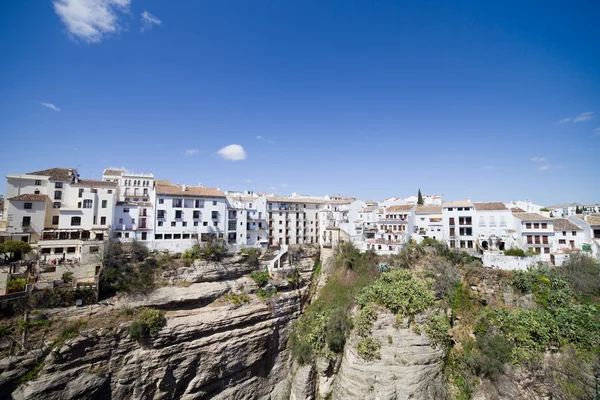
pixel 392 221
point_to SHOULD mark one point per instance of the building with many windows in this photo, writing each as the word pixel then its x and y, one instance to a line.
pixel 458 219
pixel 535 231
pixel 428 222
pixel 293 220
pixel 246 220
pixel 493 222
pixel 186 214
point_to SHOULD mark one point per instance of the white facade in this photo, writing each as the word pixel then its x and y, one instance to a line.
pixel 536 232
pixel 293 220
pixel 247 220
pixel 459 224
pixel 493 221
pixel 186 214
pixel 429 223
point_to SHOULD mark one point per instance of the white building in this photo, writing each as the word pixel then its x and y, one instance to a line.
pixel 394 227
pixel 458 220
pixel 528 206
pixel 293 220
pixel 535 231
pixel 590 224
pixel 428 222
pixel 247 220
pixel 186 214
pixel 493 222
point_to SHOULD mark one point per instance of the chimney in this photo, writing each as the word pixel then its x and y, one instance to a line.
pixel 469 199
pixel 183 188
pixel 218 187
pixel 200 184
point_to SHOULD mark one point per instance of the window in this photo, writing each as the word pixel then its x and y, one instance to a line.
pixel 120 220
pixel 38 182
pixel 46 251
pixel 109 191
pixel 160 223
pixel 574 233
pixel 127 234
pixel 161 213
pixel 195 223
pixel 95 219
pixel 198 204
pixel 528 225
pixel 58 185
pixel 161 201
pixel 536 226
pixel 26 221
pixel 544 225
pixel 168 236
pixel 126 210
pixel 104 203
pixel 185 236
pixel 71 249
pixel 80 192
pixel 173 223
pixel 451 219
pixel 216 224
pixel 184 223
pixel 75 221
pixel 214 202
pixel 450 209
pixel 177 236
pixel 79 205
pixel 102 220
pixel 158 236
pixel 196 214
pixel 215 215
pixel 562 241
pixel 87 203
pixel 547 250
pixel 564 233
pixel 55 220
pixel 133 220
pixel 178 214
pixel 28 206
pixel 58 250
pixel 145 192
pixel 56 204
pixel 177 203
pixel 57 195
pixel 144 235
pixel 204 223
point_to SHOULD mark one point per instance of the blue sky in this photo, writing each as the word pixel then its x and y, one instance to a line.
pixel 368 99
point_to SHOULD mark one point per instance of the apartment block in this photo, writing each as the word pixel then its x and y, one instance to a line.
pixel 536 232
pixel 293 220
pixel 458 218
pixel 494 222
pixel 428 222
pixel 246 220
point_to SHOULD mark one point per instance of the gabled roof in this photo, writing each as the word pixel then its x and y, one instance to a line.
pixel 517 210
pixel 490 206
pixel 190 191
pixel 113 172
pixel 531 217
pixel 458 203
pixel 563 224
pixel 593 220
pixel 94 183
pixel 56 174
pixel 30 197
pixel 405 207
pixel 429 209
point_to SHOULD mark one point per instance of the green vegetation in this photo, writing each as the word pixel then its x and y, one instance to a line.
pixel 16 285
pixel 261 278
pixel 236 298
pixel 519 252
pixel 33 373
pixel 368 349
pixel 128 267
pixel 437 328
pixel 252 256
pixel 266 292
pixel 545 209
pixel 71 329
pixel 67 277
pixel 148 321
pixel 293 276
pixel 14 249
pixel 419 198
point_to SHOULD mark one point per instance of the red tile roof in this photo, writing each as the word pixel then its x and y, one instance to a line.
pixel 30 197
pixel 113 172
pixel 190 191
pixel 491 206
pixel 56 174
pixel 406 207
pixel 94 182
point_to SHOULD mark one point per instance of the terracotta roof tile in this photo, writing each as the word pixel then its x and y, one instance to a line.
pixel 517 210
pixel 491 206
pixel 95 183
pixel 30 197
pixel 458 203
pixel 406 207
pixel 56 174
pixel 592 220
pixel 369 209
pixel 113 172
pixel 190 191
pixel 531 217
pixel 563 224
pixel 428 209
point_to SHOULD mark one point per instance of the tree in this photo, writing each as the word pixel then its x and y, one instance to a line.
pixel 12 248
pixel 578 210
pixel 420 198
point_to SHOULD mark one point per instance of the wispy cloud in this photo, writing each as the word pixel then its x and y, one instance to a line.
pixel 149 20
pixel 578 118
pixel 191 152
pixel 260 137
pixel 51 106
pixel 248 180
pixel 91 20
pixel 583 117
pixel 543 168
pixel 538 159
pixel 488 167
pixel 233 152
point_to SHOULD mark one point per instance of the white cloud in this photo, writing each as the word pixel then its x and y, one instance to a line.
pixel 260 137
pixel 538 159
pixel 148 20
pixel 51 106
pixel 191 152
pixel 233 152
pixel 91 20
pixel 543 168
pixel 578 118
pixel 583 117
pixel 248 180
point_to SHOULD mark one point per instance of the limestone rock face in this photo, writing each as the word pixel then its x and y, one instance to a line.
pixel 409 366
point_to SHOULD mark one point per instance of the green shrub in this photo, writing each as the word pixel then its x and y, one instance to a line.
pixel 366 317
pixel 147 323
pixel 293 276
pixel 515 252
pixel 33 373
pixel 400 292
pixel 16 285
pixel 67 277
pixel 368 349
pixel 252 256
pixel 337 328
pixel 437 327
pixel 266 292
pixel 583 273
pixel 261 278
pixel 236 298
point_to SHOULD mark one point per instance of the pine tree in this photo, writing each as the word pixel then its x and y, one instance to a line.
pixel 420 198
